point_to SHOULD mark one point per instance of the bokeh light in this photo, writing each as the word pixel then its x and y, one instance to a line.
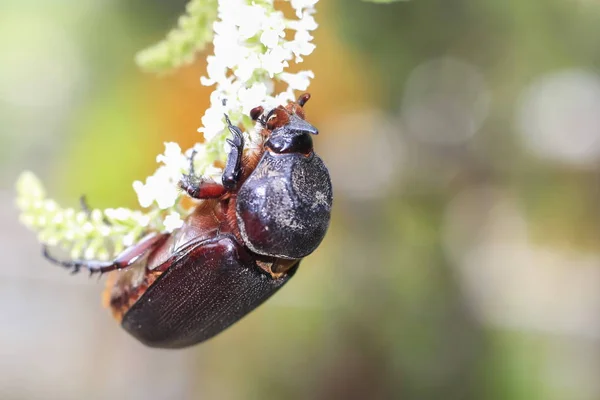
pixel 445 101
pixel 559 117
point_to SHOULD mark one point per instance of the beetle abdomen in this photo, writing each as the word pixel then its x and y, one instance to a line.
pixel 205 290
pixel 284 207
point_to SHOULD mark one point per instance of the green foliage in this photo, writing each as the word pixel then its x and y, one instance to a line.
pixel 192 34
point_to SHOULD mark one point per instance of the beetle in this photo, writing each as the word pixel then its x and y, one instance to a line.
pixel 236 248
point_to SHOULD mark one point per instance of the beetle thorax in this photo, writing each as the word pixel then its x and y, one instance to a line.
pixel 283 208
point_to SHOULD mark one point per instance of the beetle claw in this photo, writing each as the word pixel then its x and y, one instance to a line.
pixel 76 265
pixel 233 167
pixel 238 137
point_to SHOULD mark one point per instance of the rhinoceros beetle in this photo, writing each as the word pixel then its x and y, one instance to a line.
pixel 236 248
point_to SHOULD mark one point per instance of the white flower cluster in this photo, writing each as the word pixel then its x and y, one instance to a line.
pixel 251 51
pixel 162 190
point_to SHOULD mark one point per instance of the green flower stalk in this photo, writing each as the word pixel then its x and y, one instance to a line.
pixel 88 234
pixel 192 34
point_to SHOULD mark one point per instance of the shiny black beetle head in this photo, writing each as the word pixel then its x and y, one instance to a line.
pixel 289 132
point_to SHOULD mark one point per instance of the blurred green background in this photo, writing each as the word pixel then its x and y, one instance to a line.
pixel 463 258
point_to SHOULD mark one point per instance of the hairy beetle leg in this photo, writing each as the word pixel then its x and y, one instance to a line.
pixel 233 167
pixel 124 260
pixel 198 188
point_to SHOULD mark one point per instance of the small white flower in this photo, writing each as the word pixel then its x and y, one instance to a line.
pixel 301 5
pixel 298 81
pixel 275 60
pixel 301 45
pixel 144 194
pixel 245 70
pixel 172 156
pixel 283 97
pixel 173 221
pixel 213 122
pixel 252 96
pixel 273 30
pixel 249 20
pixel 306 23
pixel 167 197
pixel 161 188
pixel 270 38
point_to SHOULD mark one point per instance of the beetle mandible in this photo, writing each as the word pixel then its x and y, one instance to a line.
pixel 236 248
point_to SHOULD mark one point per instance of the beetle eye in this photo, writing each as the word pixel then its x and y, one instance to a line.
pixel 270 114
pixel 271 118
pixel 301 143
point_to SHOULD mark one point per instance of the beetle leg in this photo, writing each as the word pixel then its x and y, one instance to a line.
pixel 233 167
pixel 197 187
pixel 124 260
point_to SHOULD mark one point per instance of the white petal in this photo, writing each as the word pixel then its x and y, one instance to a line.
pixel 173 221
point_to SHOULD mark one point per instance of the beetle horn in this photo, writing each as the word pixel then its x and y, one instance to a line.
pixel 298 124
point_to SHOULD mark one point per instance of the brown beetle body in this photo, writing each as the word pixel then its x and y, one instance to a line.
pixel 220 283
pixel 203 263
pixel 236 249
